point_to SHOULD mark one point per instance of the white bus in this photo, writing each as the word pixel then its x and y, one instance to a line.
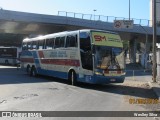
pixel 91 56
pixel 9 55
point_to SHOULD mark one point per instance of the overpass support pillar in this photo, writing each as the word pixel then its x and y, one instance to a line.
pixel 133 50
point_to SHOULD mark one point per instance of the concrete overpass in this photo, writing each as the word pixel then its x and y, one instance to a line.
pixel 21 23
pixel 30 23
pixel 14 26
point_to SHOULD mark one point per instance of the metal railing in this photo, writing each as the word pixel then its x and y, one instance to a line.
pixel 139 75
pixel 142 22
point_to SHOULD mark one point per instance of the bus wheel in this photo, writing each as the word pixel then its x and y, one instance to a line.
pixel 72 78
pixel 33 72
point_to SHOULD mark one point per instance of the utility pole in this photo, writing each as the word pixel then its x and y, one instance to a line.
pixel 154 67
pixel 129 9
pixel 94 13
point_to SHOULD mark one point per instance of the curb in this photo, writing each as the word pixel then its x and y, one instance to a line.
pixel 156 88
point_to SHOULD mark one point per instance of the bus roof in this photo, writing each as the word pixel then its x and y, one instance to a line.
pixel 9 47
pixel 96 30
pixel 42 37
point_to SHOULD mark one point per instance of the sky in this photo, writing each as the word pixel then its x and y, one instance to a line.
pixel 140 9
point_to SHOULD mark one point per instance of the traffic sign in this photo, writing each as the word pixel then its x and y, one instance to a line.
pixel 123 24
pixel 117 24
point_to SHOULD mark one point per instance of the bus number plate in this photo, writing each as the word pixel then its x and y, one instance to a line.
pixel 113 72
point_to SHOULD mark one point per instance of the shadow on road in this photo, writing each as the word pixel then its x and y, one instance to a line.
pixel 122 89
pixel 14 76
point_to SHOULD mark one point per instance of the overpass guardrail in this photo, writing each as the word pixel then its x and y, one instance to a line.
pixel 142 22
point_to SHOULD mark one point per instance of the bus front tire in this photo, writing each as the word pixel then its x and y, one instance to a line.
pixel 72 78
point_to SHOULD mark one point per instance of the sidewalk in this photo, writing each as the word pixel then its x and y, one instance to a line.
pixel 142 75
pixel 156 88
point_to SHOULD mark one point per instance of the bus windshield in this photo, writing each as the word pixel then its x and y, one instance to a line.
pixel 111 58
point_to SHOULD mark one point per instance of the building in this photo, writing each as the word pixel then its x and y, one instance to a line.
pixel 157 11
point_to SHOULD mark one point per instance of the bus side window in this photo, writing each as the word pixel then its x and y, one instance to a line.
pixel 71 41
pixel 85 42
pixel 34 45
pixel 41 44
pixel 29 45
pixel 57 42
pixel 49 43
pixel 85 51
pixel 62 41
pixel 24 46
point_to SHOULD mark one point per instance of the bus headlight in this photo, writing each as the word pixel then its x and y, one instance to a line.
pixel 98 73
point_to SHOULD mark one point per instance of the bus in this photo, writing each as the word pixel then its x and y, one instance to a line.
pixel 90 56
pixel 9 55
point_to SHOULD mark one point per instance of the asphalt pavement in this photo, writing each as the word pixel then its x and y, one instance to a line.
pixel 20 92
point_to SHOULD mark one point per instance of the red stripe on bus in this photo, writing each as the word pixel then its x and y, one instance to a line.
pixel 66 62
pixel 41 55
pixel 29 60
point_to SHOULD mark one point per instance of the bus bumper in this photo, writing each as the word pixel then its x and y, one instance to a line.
pixel 109 79
pixel 99 79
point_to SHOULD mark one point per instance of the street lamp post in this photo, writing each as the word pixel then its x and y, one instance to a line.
pixel 94 13
pixel 129 9
pixel 154 68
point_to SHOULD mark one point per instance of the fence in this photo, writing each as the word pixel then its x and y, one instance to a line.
pixel 142 22
pixel 139 75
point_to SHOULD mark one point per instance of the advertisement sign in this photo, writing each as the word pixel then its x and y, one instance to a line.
pixel 106 39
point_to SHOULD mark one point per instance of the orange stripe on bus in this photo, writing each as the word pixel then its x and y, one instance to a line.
pixel 41 55
pixel 66 62
pixel 29 60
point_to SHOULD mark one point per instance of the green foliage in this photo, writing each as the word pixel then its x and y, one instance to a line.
pixel 125 44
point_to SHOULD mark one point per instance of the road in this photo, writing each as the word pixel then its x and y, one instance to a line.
pixel 20 92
